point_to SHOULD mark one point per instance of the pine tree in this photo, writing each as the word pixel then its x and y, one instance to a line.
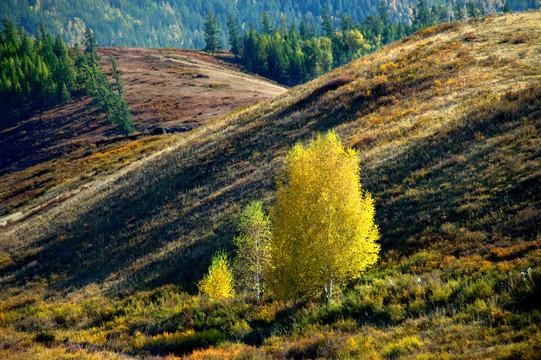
pixel 383 13
pixel 283 24
pixel 235 40
pixel 90 42
pixel 303 30
pixel 326 23
pixel 458 10
pixel 266 24
pixel 117 85
pixel 472 10
pixel 421 15
pixel 212 39
pixel 346 23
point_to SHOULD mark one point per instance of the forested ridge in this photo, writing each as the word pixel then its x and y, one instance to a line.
pixel 297 53
pixel 177 23
pixel 37 74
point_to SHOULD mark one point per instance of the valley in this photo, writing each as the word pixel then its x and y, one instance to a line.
pixel 104 259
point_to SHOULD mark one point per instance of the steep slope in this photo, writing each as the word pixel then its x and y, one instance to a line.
pixel 447 122
pixel 428 114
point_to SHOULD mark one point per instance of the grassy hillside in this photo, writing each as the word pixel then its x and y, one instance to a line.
pixel 447 122
pixel 53 154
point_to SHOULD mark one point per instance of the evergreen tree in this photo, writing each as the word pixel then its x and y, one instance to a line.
pixel 458 11
pixel 212 39
pixel 421 15
pixel 303 30
pixel 383 13
pixel 90 42
pixel 117 85
pixel 235 40
pixel 472 10
pixel 65 96
pixel 265 23
pixel 283 24
pixel 346 23
pixel 326 23
pixel 442 14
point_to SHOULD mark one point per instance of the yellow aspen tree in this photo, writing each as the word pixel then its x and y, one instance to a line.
pixel 323 222
pixel 218 283
pixel 253 248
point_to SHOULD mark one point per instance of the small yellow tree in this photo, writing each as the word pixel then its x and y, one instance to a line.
pixel 323 222
pixel 218 283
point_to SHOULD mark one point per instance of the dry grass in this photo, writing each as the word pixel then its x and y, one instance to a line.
pixel 38 166
pixel 448 125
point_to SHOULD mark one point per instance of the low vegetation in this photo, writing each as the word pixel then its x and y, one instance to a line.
pixel 446 123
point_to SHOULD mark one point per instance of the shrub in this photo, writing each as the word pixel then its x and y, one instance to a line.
pixel 402 347
pixel 479 289
pixel 440 294
pixel 45 338
pixel 358 347
pixel 345 325
pixel 527 350
pixel 218 284
pixel 179 342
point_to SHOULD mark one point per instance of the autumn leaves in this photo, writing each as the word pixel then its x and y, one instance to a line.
pixel 322 234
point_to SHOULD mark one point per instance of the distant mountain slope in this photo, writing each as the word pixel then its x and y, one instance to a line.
pixel 164 88
pixel 448 125
pixel 179 23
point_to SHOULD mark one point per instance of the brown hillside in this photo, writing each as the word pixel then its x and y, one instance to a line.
pixel 164 88
pixel 448 124
pixel 440 118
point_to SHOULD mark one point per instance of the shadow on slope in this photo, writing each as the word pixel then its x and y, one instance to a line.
pixel 466 177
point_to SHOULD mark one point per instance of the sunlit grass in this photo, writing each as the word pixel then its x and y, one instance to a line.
pixel 447 122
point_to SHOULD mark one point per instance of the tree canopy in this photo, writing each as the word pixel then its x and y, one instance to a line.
pixel 212 35
pixel 253 245
pixel 323 222
pixel 218 283
pixel 41 73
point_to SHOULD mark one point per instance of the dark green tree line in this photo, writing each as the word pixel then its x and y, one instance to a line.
pixel 292 56
pixel 36 74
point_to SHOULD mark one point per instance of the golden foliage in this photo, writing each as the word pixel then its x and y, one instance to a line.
pixel 324 229
pixel 218 283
